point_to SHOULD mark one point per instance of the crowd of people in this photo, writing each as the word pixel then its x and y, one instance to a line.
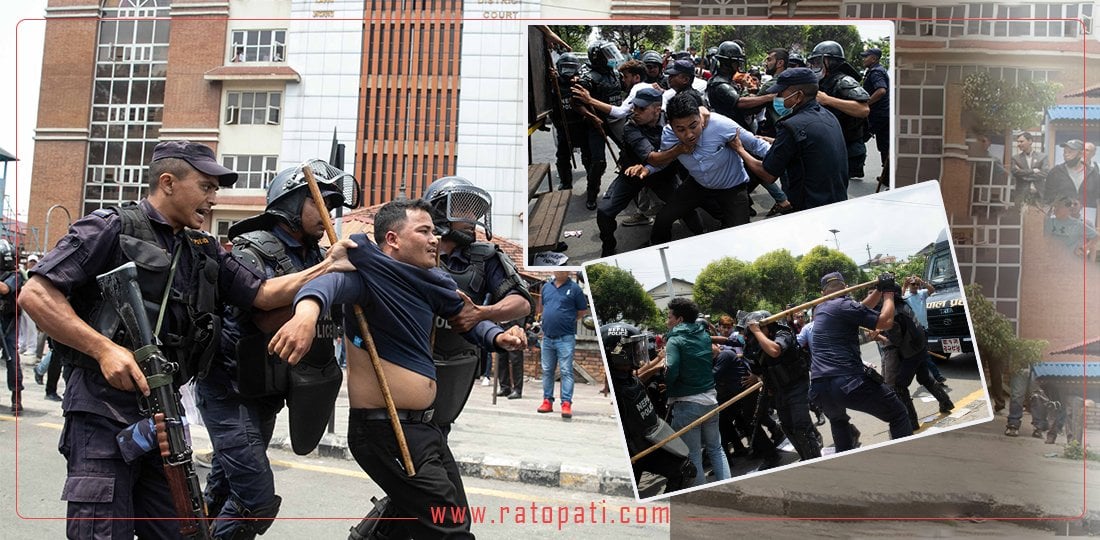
pixel 254 330
pixel 702 132
pixel 811 372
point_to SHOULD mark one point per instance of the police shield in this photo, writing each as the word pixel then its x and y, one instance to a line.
pixel 310 398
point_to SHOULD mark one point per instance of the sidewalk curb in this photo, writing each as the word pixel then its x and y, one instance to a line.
pixel 550 474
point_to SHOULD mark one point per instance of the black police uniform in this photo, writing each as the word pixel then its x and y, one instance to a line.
pixel 570 130
pixel 101 488
pixel 241 421
pixel 809 154
pixel 843 84
pixel 905 357
pixel 482 271
pixel 639 417
pixel 878 122
pixel 787 380
pixel 13 279
pixel 724 94
pixel 606 86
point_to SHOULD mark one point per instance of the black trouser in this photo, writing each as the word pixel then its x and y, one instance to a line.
pixel 734 203
pixel 880 128
pixel 730 420
pixel 593 156
pixel 53 375
pixel 792 404
pixel 510 371
pixel 437 484
pixel 899 373
pixel 762 445
pixel 623 190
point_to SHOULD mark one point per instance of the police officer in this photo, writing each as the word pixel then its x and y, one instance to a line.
pixel 838 379
pixel 653 64
pixel 723 93
pixel 776 358
pixel 570 125
pixel 238 408
pixel 161 235
pixel 625 348
pixel 10 282
pixel 876 82
pixel 808 150
pixel 482 271
pixel 905 356
pixel 603 82
pixel 842 95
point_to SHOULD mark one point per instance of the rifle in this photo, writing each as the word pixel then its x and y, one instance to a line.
pixel 120 288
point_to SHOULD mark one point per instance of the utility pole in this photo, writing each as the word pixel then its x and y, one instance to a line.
pixel 868 255
pixel 835 241
pixel 668 277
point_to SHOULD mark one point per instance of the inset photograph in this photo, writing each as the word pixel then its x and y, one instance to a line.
pixel 640 135
pixel 780 343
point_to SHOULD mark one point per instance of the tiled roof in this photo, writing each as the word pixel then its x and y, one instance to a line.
pixel 1074 112
pixel 1090 348
pixel 1067 369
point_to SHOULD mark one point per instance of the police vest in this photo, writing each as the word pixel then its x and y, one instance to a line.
pixel 192 322
pixel 636 411
pixel 723 94
pixel 779 373
pixel 262 250
pixel 7 301
pixel 843 86
pixel 606 87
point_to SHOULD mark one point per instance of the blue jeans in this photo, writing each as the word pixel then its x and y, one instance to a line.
pixel 558 352
pixel 702 436
pixel 1021 384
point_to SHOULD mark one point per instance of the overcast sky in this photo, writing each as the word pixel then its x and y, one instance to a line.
pixel 898 222
pixel 28 37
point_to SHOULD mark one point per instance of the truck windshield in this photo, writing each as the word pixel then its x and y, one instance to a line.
pixel 941 269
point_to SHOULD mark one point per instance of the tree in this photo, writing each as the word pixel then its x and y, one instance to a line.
pixel 822 260
pixel 995 337
pixel 616 293
pixel 576 35
pixel 780 282
pixel 999 106
pixel 846 36
pixel 726 285
pixel 758 39
pixel 639 38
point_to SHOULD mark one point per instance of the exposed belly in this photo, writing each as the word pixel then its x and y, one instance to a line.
pixel 410 390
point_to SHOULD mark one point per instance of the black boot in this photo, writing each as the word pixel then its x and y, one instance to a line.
pixel 938 391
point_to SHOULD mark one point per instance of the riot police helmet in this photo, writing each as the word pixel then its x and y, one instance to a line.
pixel 568 65
pixel 457 200
pixel 795 59
pixel 604 56
pixel 625 347
pixel 8 257
pixel 652 57
pixel 288 191
pixel 729 53
pixel 827 54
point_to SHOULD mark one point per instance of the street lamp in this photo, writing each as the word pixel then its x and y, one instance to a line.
pixel 835 241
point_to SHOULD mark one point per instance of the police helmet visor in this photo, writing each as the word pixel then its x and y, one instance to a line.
pixel 630 351
pixel 610 53
pixel 465 204
pixel 337 187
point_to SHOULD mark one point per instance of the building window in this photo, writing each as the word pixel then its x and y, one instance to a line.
pixel 258 46
pixel 980 19
pixel 127 101
pixel 255 172
pixel 250 108
pixel 733 8
pixel 221 229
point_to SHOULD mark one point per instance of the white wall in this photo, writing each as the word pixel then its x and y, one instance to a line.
pixel 326 52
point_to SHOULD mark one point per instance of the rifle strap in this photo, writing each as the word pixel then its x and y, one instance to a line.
pixel 155 381
pixel 168 289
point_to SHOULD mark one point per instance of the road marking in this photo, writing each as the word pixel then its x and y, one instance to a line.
pixel 960 404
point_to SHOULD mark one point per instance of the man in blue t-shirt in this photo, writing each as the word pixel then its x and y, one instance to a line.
pixel 838 380
pixel 563 302
pixel 401 290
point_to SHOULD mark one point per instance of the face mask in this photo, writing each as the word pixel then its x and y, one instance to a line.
pixel 780 108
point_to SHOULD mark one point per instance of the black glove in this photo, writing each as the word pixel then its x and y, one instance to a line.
pixel 887 283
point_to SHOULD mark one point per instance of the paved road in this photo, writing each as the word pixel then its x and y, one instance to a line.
pixel 578 218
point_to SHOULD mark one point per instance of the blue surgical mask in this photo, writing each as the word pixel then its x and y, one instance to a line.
pixel 780 108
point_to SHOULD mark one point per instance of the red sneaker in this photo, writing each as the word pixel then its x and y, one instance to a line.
pixel 566 409
pixel 547 406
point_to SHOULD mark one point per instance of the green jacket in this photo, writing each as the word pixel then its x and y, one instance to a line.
pixel 689 359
